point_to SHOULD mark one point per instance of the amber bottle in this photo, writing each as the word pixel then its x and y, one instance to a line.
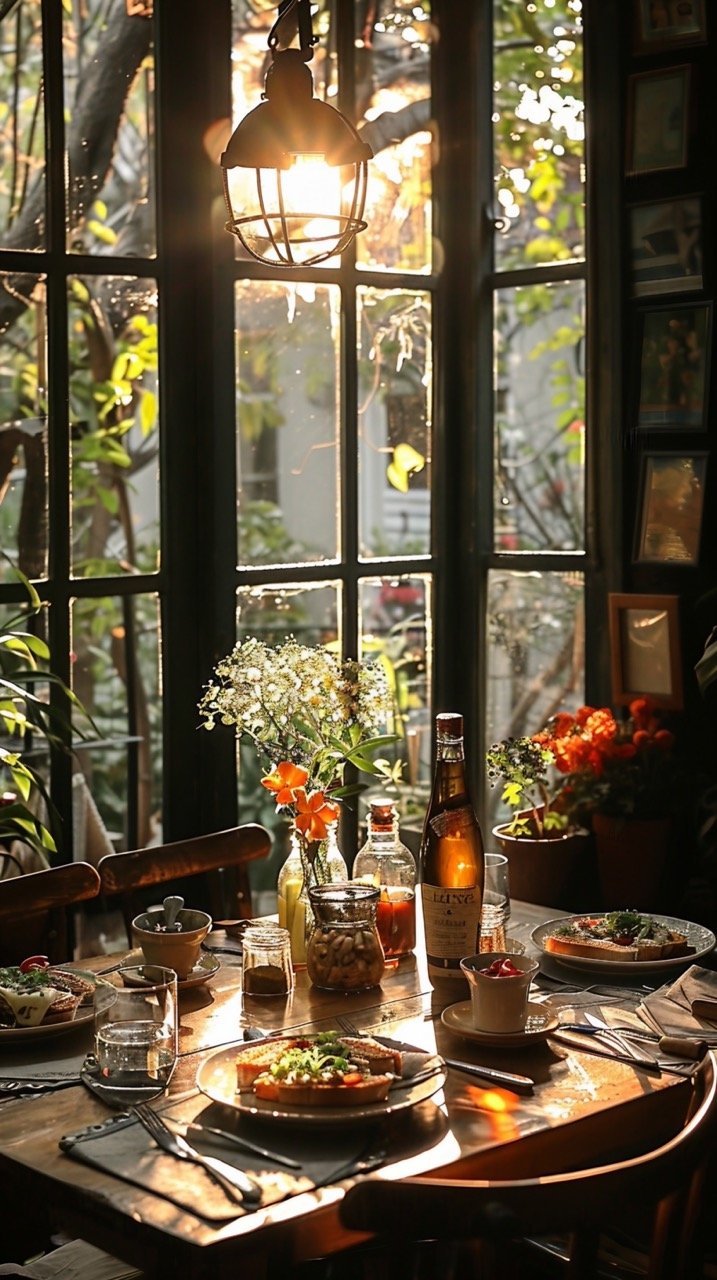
pixel 451 859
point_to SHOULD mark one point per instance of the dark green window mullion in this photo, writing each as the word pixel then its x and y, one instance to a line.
pixel 458 191
pixel 348 455
pixel 58 433
pixel 191 58
pixel 604 391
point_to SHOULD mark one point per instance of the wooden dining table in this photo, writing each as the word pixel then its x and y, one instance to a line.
pixel 583 1107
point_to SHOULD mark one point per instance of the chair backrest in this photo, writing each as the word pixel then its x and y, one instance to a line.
pixel 664 1183
pixel 222 855
pixel 34 910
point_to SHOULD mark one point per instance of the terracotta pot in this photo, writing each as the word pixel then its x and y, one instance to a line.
pixel 631 858
pixel 553 871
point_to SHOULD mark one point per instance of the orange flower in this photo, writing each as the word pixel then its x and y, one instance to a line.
pixel 314 812
pixel 285 781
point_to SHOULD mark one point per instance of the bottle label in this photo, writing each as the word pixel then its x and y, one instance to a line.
pixel 451 919
pixel 448 821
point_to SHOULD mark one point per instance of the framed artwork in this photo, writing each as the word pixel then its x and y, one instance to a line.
pixel 666 246
pixel 670 508
pixel 658 120
pixel 645 649
pixel 668 24
pixel 674 364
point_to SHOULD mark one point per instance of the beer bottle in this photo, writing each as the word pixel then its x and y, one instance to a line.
pixel 451 859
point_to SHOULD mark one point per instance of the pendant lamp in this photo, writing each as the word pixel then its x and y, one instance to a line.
pixel 305 200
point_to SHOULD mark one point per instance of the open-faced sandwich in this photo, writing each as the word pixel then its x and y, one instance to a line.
pixel 617 935
pixel 37 993
pixel 327 1069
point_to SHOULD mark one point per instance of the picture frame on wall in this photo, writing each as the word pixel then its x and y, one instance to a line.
pixel 668 24
pixel 645 650
pixel 670 508
pixel 658 120
pixel 674 345
pixel 666 246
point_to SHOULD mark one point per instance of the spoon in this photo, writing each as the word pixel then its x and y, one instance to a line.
pixel 172 907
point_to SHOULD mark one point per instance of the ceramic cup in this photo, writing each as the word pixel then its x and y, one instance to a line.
pixel 178 951
pixel 499 1003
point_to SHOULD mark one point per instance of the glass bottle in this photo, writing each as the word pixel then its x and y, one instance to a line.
pixel 451 858
pixel 292 900
pixel 344 952
pixel 330 862
pixel 385 861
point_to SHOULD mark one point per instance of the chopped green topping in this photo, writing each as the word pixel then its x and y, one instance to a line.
pixel 34 980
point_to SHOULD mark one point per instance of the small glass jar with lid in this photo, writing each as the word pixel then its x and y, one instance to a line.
pixel 266 961
pixel 344 952
pixel 386 862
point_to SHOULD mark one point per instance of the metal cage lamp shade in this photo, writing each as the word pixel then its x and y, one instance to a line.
pixel 295 143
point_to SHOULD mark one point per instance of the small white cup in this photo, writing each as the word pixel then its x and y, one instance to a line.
pixel 499 1003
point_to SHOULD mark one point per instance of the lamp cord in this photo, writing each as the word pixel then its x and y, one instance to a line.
pixel 307 39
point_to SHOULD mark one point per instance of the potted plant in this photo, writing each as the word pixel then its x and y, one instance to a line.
pixel 548 849
pixel 627 778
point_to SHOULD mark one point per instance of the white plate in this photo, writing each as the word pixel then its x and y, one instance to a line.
pixel 540 1023
pixel 699 937
pixel 12 1035
pixel 217 1078
pixel 205 968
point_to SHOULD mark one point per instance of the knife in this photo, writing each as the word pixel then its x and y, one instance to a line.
pixel 671 1046
pixel 519 1084
pixel 233 1139
pixel 582 1040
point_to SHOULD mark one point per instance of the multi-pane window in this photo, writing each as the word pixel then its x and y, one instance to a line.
pixel 187 436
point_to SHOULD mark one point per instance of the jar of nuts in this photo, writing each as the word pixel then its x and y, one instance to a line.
pixel 344 952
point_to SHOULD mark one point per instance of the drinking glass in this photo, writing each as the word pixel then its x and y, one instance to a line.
pixel 136 1030
pixel 496 903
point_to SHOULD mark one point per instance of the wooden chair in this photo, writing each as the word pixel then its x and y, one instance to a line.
pixel 35 909
pixel 222 855
pixel 497 1230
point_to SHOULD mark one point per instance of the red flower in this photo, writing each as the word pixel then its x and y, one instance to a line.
pixel 285 781
pixel 314 813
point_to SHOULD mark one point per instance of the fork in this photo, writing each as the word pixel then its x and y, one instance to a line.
pixel 235 1184
pixel 348 1027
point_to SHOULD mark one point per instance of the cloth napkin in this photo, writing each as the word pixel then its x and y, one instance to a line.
pixel 121 1146
pixel 668 1010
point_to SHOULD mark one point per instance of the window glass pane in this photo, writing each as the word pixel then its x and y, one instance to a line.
pixel 396 624
pixel 109 77
pixel 116 675
pixel 22 128
pixel 114 424
pixel 393 79
pixel 287 350
pixel 395 397
pixel 539 133
pixel 308 611
pixel 540 418
pixel 23 427
pixel 536 655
